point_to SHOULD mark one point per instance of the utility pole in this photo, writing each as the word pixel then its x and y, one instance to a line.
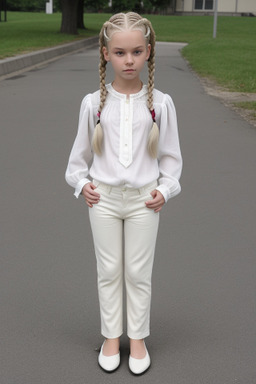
pixel 215 18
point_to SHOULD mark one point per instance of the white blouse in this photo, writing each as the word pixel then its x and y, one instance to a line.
pixel 125 161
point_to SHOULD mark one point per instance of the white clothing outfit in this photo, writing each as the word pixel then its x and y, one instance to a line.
pixel 125 174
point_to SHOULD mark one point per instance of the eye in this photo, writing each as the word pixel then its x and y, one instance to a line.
pixel 119 53
pixel 137 52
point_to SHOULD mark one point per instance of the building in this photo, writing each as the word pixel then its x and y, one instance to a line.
pixel 228 7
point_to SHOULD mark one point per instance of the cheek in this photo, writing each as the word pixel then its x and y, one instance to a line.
pixel 142 61
pixel 118 60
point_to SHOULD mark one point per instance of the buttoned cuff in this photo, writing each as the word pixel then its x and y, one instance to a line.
pixel 80 186
pixel 169 192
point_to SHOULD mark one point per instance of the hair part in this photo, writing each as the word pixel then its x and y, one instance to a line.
pixel 118 23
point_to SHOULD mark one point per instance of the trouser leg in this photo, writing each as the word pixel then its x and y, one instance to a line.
pixel 140 233
pixel 107 232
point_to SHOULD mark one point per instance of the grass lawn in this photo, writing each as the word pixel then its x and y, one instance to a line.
pixel 249 105
pixel 25 32
pixel 229 59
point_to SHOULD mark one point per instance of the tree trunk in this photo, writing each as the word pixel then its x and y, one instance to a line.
pixel 69 17
pixel 80 14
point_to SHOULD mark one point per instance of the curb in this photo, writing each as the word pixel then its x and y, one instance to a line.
pixel 22 62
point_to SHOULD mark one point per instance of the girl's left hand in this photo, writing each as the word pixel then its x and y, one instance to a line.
pixel 157 202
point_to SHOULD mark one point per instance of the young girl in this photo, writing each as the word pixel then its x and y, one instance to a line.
pixel 128 133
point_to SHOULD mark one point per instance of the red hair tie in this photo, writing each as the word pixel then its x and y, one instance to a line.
pixel 153 114
pixel 98 114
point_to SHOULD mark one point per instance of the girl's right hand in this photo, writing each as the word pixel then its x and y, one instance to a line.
pixel 91 197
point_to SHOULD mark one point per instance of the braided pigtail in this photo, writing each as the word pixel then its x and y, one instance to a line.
pixel 153 137
pixel 98 132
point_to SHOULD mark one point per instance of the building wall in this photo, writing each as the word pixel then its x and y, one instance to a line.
pixel 246 6
pixel 188 5
pixel 229 6
pixel 179 5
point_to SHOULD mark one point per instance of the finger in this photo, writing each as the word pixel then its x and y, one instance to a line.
pixel 89 188
pixel 90 203
pixel 157 209
pixel 154 203
pixel 92 198
pixel 91 193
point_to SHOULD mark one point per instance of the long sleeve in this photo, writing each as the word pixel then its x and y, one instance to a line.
pixel 81 154
pixel 169 155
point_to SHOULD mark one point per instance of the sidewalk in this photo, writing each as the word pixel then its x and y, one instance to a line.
pixel 18 64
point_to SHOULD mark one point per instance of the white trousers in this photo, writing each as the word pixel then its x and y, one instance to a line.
pixel 124 233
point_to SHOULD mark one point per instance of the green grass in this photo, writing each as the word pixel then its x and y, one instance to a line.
pixel 25 32
pixel 249 105
pixel 229 59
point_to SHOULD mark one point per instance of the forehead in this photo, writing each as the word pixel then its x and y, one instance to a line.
pixel 127 39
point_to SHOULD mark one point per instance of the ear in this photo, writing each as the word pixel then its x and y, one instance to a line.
pixel 148 51
pixel 105 53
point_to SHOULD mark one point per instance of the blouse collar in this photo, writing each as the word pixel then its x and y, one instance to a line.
pixel 119 95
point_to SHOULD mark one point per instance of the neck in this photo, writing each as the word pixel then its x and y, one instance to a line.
pixel 127 87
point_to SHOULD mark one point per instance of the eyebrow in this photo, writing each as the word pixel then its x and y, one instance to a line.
pixel 122 49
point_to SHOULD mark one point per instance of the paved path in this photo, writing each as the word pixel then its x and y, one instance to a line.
pixel 204 286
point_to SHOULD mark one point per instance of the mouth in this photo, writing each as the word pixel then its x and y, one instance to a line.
pixel 129 70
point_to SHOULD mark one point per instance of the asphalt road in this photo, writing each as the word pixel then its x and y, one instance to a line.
pixel 204 287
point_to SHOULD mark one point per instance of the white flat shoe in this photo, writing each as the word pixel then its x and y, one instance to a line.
pixel 139 366
pixel 108 363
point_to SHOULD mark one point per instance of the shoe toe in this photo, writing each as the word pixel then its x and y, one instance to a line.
pixel 109 363
pixel 139 366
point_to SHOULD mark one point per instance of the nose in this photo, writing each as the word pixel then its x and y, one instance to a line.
pixel 129 59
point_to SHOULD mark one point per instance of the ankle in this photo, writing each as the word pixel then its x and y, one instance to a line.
pixel 111 347
pixel 137 348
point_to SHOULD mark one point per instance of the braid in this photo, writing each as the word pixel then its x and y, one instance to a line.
pixel 118 23
pixel 98 132
pixel 151 68
pixel 153 137
pixel 102 73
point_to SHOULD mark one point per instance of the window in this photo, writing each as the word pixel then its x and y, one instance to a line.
pixel 204 4
pixel 208 4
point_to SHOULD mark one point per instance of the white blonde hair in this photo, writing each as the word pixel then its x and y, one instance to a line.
pixel 117 23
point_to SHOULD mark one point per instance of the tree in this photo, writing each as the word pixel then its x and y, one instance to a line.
pixel 69 16
pixel 80 14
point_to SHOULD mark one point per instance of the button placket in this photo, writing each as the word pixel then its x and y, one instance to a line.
pixel 125 155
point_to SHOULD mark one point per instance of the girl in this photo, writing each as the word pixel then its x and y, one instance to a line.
pixel 134 171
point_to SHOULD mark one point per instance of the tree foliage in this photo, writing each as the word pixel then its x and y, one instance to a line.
pixel 146 6
pixel 26 5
